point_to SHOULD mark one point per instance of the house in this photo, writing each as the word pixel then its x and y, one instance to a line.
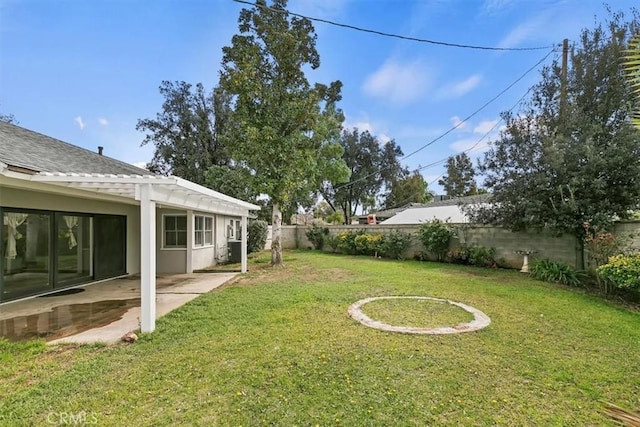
pixel 444 209
pixel 71 216
pixel 384 215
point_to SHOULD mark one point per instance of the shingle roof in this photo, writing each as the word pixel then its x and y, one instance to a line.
pixel 24 148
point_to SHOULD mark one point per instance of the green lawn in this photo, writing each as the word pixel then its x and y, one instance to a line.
pixel 277 348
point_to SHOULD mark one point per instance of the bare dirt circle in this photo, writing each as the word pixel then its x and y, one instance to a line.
pixel 480 320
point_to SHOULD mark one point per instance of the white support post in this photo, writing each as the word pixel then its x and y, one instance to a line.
pixel 190 237
pixel 147 259
pixel 243 246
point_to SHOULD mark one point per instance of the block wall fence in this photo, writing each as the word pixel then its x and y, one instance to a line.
pixel 563 248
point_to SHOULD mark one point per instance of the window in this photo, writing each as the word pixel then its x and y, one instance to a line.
pixel 175 231
pixel 203 231
pixel 234 230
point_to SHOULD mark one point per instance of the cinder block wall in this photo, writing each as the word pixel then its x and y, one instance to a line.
pixel 563 248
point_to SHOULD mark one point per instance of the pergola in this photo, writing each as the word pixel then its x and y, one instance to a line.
pixel 147 191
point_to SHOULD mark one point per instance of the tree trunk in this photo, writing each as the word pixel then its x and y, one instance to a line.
pixel 276 241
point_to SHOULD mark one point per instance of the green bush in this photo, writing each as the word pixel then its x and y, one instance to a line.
pixel 435 236
pixel 623 271
pixel 395 244
pixel 473 255
pixel 556 272
pixel 257 231
pixel 368 244
pixel 481 256
pixel 317 235
pixel 459 255
pixel 332 241
pixel 346 241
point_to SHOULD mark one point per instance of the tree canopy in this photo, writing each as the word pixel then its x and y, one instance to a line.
pixel 632 67
pixel 186 133
pixel 373 166
pixel 8 118
pixel 411 188
pixel 282 128
pixel 459 179
pixel 563 162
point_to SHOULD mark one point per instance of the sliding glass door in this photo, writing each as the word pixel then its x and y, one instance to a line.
pixel 42 251
pixel 110 243
pixel 73 249
pixel 26 241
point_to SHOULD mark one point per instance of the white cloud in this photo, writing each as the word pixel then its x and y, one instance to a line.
pixel 79 121
pixel 494 6
pixel 398 83
pixel 361 126
pixel 532 28
pixel 364 124
pixel 384 138
pixel 455 121
pixel 485 126
pixel 103 121
pixel 458 89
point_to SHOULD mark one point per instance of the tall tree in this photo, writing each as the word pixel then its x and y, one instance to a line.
pixel 459 179
pixel 410 189
pixel 372 165
pixel 559 165
pixel 282 128
pixel 186 133
pixel 8 118
pixel 632 67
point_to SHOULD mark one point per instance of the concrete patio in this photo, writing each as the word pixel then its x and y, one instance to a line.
pixel 100 312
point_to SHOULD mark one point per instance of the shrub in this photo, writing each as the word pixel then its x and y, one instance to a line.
pixel 473 255
pixel 346 241
pixel 481 256
pixel 435 236
pixel 317 235
pixel 368 244
pixel 459 255
pixel 257 231
pixel 623 271
pixel 332 241
pixel 556 272
pixel 601 245
pixel 395 244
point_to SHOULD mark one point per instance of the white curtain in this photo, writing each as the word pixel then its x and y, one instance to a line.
pixel 13 221
pixel 71 221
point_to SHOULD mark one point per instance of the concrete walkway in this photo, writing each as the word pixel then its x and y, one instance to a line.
pixel 172 291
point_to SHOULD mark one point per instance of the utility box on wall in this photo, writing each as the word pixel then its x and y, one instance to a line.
pixel 235 251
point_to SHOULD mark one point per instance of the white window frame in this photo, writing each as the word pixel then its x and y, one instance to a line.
pixel 164 232
pixel 233 228
pixel 205 231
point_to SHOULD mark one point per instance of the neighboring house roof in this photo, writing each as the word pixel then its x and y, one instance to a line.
pixel 388 213
pixel 442 210
pixel 26 149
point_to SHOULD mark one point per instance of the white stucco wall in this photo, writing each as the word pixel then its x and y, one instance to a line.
pixel 171 260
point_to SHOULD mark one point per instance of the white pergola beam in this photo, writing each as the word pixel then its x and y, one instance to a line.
pixel 243 245
pixel 147 259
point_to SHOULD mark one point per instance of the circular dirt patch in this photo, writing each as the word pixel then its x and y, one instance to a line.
pixel 480 320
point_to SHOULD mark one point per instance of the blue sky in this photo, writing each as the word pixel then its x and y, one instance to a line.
pixel 86 71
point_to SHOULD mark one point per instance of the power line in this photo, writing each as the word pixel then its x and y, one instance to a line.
pixel 468 150
pixel 456 126
pixel 397 36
